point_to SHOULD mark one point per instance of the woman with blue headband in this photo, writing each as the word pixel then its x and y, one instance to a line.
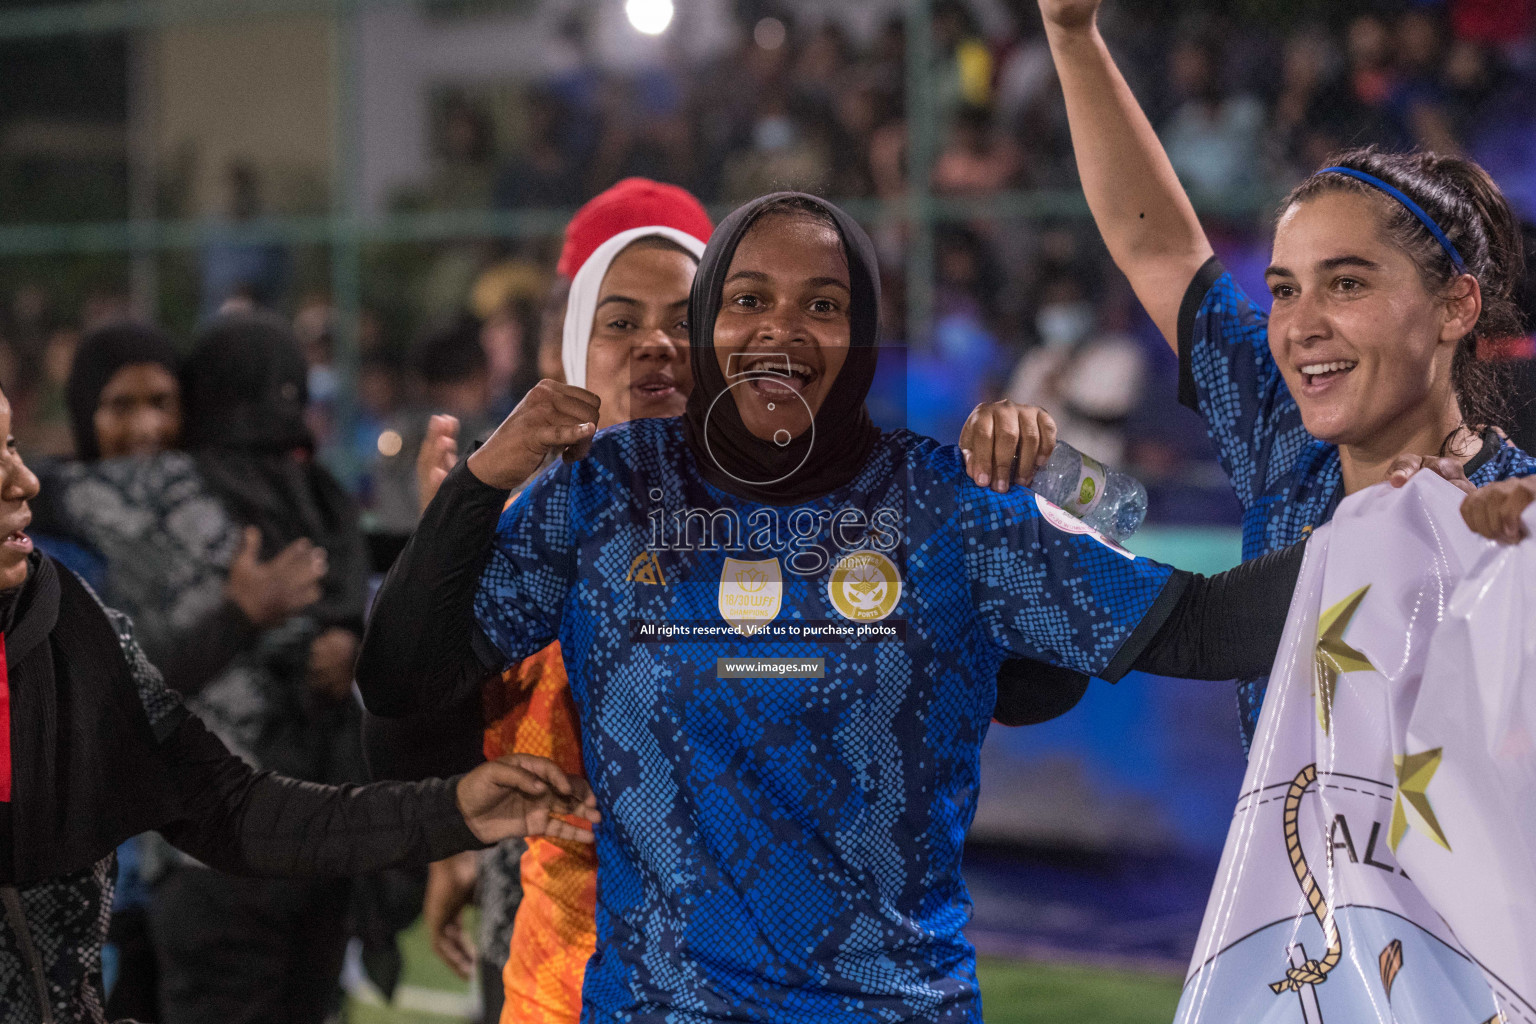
pixel 1386 271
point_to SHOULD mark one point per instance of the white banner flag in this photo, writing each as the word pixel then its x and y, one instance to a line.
pixel 1381 864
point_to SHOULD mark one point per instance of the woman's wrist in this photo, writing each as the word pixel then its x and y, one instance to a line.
pixel 490 474
pixel 1067 41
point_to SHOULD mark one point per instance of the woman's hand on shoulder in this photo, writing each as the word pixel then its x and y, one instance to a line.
pixel 1004 443
pixel 1493 510
pixel 551 417
pixel 1404 467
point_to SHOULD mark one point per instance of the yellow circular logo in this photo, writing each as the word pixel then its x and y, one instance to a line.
pixel 865 586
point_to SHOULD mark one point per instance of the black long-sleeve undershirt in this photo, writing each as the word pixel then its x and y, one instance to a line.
pixel 423 649
pixel 250 822
pixel 428 744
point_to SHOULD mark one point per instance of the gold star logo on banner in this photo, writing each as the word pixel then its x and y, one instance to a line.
pixel 1413 774
pixel 1333 657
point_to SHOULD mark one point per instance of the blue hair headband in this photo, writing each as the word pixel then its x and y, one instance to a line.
pixel 1413 208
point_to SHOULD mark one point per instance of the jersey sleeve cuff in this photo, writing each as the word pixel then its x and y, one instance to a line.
pixel 1147 629
pixel 1194 296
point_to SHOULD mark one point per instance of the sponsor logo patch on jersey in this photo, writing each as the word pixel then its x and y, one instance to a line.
pixel 751 594
pixel 646 568
pixel 865 586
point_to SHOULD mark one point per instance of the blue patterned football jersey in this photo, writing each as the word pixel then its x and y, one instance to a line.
pixel 779 848
pixel 1288 482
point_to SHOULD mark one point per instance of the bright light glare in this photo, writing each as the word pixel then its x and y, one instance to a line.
pixel 649 16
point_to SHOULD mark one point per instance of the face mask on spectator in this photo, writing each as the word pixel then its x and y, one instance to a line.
pixel 1064 323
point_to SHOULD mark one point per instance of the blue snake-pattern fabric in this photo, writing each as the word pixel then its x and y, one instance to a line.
pixel 787 849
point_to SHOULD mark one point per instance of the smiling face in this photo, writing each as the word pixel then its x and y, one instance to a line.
pixel 1364 346
pixel 637 362
pixel 784 317
pixel 139 412
pixel 18 486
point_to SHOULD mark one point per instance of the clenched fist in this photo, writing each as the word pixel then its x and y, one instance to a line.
pixel 551 417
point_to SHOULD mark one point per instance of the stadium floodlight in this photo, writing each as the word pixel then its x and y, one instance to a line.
pixel 649 16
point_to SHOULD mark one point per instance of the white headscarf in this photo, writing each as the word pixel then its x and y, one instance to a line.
pixel 581 307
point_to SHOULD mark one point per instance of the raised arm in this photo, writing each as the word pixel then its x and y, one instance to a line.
pixel 1144 216
pixel 424 648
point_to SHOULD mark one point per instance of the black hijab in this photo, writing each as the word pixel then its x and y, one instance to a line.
pixel 729 455
pixel 101 354
pixel 244 389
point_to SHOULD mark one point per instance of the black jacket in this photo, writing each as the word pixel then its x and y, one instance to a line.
pixel 101 750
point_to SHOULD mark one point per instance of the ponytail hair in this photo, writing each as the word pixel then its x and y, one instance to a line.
pixel 1466 204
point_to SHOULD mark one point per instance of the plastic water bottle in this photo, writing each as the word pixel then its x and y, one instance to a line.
pixel 1111 502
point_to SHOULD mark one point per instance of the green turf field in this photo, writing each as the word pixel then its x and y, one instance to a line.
pixel 1014 992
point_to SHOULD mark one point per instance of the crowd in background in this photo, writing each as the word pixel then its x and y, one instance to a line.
pixel 1026 307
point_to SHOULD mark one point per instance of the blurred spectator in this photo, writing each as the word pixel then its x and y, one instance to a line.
pixel 644 132
pixel 241 275
pixel 312 327
pixel 451 366
pixel 452 363
pixel 543 172
pixel 1420 93
pixel 380 396
pixel 464 165
pixel 1214 136
pixel 244 948
pixel 1357 105
pixel 1025 72
pixel 966 363
pixel 977 160
pixel 782 154
pixel 1307 65
pixel 507 299
pixel 1470 80
pixel 963 74
pixel 1086 371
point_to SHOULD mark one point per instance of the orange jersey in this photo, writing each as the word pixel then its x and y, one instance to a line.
pixel 530 711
